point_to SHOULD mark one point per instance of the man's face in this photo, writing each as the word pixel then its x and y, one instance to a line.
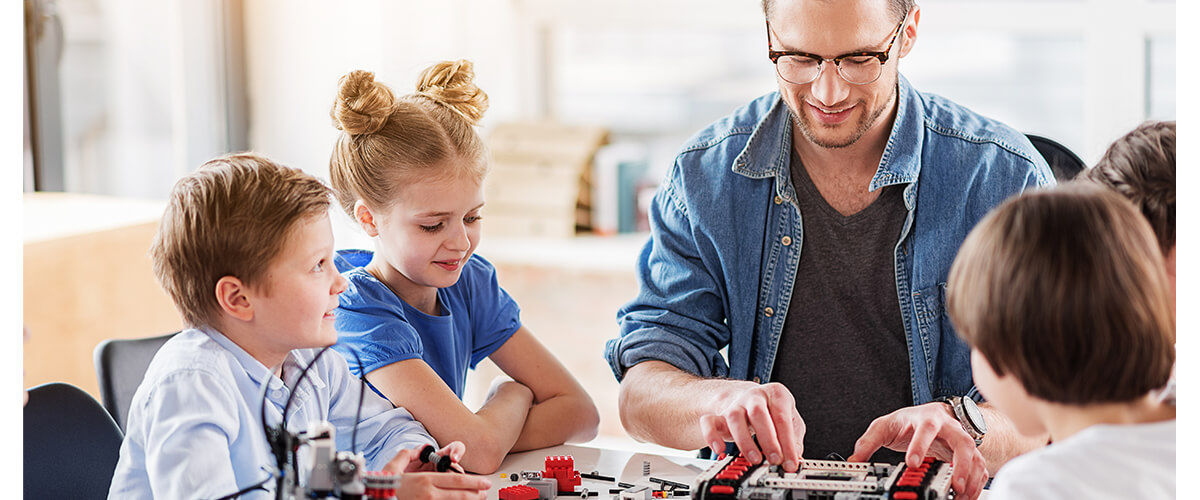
pixel 831 112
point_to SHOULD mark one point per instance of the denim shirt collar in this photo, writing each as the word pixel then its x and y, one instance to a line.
pixel 900 163
pixel 254 368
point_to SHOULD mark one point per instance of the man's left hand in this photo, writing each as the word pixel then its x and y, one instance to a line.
pixel 929 429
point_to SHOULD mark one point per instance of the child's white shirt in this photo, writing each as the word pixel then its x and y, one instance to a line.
pixel 1101 461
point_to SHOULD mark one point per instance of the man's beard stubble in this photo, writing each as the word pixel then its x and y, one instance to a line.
pixel 864 124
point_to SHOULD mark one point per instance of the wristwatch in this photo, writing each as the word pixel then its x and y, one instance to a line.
pixel 968 415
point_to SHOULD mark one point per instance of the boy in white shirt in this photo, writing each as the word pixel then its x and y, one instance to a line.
pixel 245 250
pixel 1064 298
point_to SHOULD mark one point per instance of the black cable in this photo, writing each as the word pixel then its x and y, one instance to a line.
pixel 303 373
pixel 271 437
pixel 288 405
pixel 362 392
pixel 262 485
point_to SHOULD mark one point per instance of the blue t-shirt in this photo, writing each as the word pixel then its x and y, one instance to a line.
pixel 477 318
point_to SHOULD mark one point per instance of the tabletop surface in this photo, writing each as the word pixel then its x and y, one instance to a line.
pixel 624 465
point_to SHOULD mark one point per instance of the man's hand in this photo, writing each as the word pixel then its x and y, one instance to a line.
pixel 930 429
pixel 767 412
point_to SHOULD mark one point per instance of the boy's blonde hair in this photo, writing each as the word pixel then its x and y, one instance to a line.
pixel 231 217
pixel 1066 290
pixel 387 143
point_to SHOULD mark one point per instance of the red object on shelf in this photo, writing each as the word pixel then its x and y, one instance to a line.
pixel 518 492
pixel 562 468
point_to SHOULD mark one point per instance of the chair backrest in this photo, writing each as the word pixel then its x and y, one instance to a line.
pixel 71 444
pixel 120 366
pixel 1064 163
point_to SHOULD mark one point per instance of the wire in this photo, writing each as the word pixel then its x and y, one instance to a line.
pixel 362 392
pixel 288 405
pixel 262 485
pixel 303 373
pixel 272 437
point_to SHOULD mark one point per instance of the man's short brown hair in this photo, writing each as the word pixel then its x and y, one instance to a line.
pixel 229 218
pixel 1141 167
pixel 897 8
pixel 1066 290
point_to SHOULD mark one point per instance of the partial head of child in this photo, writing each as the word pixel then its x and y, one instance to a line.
pixel 410 172
pixel 245 247
pixel 1141 167
pixel 1063 297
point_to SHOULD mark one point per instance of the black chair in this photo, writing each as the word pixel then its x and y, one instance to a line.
pixel 71 444
pixel 1064 163
pixel 120 366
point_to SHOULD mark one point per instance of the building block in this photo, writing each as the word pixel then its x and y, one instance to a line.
pixel 547 488
pixel 562 469
pixel 518 492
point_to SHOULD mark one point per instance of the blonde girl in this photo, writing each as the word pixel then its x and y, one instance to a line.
pixel 423 308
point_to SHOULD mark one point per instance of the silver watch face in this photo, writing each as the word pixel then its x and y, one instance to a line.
pixel 974 415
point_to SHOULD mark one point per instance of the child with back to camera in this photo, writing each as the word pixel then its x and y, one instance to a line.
pixel 423 307
pixel 1064 299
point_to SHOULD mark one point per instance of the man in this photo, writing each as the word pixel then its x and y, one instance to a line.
pixel 811 233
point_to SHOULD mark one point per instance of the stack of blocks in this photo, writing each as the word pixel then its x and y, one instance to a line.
pixel 562 469
pixel 518 492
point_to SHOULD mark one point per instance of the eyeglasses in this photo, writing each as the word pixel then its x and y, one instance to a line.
pixel 858 68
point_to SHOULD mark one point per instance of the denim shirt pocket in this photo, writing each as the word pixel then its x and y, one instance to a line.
pixel 927 305
pixel 950 370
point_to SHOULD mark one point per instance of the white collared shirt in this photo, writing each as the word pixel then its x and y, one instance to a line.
pixel 194 428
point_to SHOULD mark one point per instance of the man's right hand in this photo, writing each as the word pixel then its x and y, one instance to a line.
pixel 766 412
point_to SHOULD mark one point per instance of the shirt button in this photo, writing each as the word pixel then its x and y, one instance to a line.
pixel 769 312
pixel 757 380
pixel 786 240
pixel 778 199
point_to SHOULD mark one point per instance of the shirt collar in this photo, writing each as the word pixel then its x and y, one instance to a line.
pixel 900 163
pixel 258 372
pixel 253 367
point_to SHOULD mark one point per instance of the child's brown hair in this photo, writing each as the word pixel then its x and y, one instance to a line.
pixel 230 217
pixel 387 142
pixel 1066 290
pixel 1141 167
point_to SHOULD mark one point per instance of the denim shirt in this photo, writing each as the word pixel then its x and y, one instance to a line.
pixel 726 236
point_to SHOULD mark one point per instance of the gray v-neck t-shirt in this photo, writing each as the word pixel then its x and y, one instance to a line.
pixel 843 352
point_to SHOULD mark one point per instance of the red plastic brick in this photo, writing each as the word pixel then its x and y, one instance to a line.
pixel 518 492
pixel 721 489
pixel 905 495
pixel 562 468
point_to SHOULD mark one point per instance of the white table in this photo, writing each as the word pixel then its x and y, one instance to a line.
pixel 626 466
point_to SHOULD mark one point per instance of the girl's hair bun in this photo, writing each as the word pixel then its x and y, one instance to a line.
pixel 363 105
pixel 451 83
